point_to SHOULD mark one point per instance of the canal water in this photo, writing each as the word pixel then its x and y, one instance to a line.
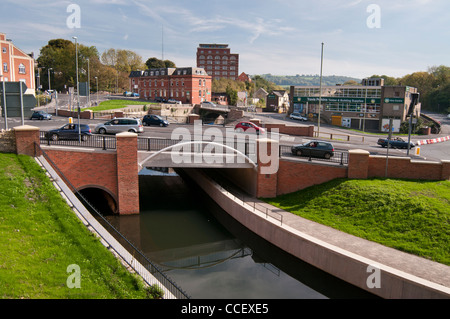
pixel 210 255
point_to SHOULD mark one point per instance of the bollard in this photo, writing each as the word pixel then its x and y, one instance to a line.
pixel 418 151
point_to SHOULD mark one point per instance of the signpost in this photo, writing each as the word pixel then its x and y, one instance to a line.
pixel 15 103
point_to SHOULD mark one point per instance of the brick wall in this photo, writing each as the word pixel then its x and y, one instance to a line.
pixel 297 130
pixel 7 141
pixel 26 137
pixel 127 173
pixel 295 175
pixel 83 169
pixel 87 115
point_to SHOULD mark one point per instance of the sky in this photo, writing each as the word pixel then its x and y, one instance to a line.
pixel 360 38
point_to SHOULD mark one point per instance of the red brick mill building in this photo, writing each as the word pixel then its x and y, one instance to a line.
pixel 188 85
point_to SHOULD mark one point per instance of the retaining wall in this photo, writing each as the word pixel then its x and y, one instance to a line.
pixel 334 260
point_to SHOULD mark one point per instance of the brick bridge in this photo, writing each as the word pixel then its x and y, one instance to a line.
pixel 112 165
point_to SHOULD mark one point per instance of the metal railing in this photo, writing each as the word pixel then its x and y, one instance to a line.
pixel 150 144
pixel 339 157
pixel 138 256
pixel 104 142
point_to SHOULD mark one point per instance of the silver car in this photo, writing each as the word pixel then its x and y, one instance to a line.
pixel 118 125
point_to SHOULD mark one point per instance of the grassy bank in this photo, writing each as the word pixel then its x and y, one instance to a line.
pixel 412 216
pixel 40 237
pixel 115 104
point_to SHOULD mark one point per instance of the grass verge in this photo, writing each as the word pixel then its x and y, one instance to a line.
pixel 41 237
pixel 412 216
pixel 115 104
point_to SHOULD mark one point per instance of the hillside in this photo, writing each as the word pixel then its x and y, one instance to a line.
pixel 305 80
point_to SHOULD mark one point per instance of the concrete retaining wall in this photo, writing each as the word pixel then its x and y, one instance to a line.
pixel 338 262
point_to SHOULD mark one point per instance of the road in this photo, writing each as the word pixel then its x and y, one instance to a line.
pixel 432 152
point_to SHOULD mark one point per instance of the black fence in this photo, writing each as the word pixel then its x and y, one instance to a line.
pixel 247 147
pixel 105 142
pixel 340 157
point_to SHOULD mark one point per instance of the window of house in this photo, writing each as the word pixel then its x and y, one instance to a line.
pixel 5 67
pixel 4 50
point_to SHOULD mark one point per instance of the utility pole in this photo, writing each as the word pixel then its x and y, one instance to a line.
pixel 320 92
pixel 78 90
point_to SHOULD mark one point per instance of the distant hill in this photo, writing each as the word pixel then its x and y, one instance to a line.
pixel 304 80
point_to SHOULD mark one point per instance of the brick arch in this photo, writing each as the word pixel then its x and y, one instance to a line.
pixel 111 199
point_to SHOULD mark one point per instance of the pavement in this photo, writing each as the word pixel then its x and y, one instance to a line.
pixel 406 265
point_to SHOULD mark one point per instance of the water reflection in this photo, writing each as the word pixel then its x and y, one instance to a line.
pixel 210 255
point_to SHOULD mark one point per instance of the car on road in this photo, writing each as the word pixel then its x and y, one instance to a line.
pixel 172 101
pixel 118 125
pixel 314 149
pixel 249 127
pixel 160 100
pixel 40 115
pixel 152 119
pixel 297 116
pixel 69 132
pixel 396 142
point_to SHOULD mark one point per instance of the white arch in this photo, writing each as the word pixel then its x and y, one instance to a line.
pixel 196 142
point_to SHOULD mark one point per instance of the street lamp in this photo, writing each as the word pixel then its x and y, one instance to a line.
pixel 96 81
pixel 4 103
pixel 78 92
pixel 49 86
pixel 320 93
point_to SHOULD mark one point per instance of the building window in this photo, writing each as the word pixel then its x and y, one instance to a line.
pixel 5 67
pixel 200 82
pixel 4 50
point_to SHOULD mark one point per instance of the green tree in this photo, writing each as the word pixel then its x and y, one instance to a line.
pixel 155 63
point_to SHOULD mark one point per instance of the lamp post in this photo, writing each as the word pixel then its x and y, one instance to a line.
pixel 4 102
pixel 320 92
pixel 78 92
pixel 49 86
pixel 89 86
pixel 96 81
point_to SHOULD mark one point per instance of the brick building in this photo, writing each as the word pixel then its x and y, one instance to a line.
pixel 218 61
pixel 188 85
pixel 15 64
pixel 367 106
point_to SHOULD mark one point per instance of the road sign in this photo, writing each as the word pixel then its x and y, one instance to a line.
pixel 18 104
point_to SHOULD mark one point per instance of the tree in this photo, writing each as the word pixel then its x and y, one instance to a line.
pixel 155 63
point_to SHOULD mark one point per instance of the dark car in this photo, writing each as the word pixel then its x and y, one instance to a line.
pixel 314 149
pixel 249 127
pixel 160 100
pixel 397 142
pixel 69 132
pixel 40 115
pixel 152 119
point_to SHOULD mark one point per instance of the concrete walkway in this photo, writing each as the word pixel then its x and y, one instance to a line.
pixel 404 265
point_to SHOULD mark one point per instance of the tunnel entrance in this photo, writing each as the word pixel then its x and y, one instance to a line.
pixel 100 199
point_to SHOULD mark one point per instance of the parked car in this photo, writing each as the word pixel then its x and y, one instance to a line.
pixel 250 127
pixel 208 104
pixel 297 116
pixel 69 132
pixel 172 101
pixel 314 149
pixel 118 125
pixel 152 119
pixel 40 115
pixel 160 100
pixel 397 142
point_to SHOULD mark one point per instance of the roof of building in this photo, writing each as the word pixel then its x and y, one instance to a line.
pixel 168 71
